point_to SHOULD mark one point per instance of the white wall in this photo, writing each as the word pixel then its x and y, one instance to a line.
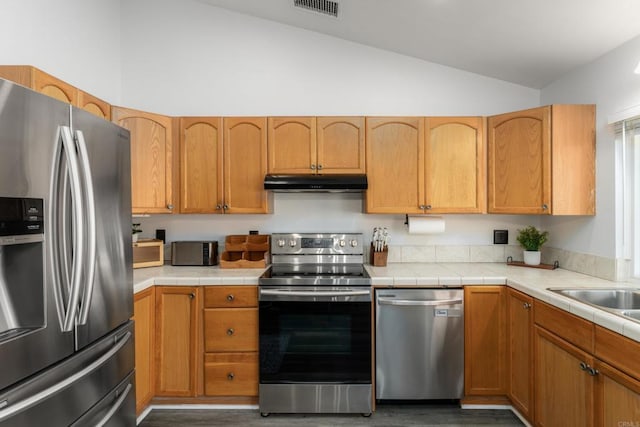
pixel 184 57
pixel 188 58
pixel 608 82
pixel 77 41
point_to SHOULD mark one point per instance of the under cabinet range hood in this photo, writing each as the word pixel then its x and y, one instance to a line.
pixel 316 183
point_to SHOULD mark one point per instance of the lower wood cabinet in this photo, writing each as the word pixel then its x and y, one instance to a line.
pixel 485 332
pixel 144 318
pixel 563 383
pixel 176 332
pixel 520 351
pixel 230 341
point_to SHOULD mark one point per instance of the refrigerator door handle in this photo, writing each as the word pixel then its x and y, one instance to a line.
pixel 116 405
pixel 91 227
pixel 10 410
pixel 66 174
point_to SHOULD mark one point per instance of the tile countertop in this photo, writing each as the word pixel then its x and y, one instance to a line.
pixel 531 281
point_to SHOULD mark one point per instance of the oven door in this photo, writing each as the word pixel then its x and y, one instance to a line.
pixel 315 335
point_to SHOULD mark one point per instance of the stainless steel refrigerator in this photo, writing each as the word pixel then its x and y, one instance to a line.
pixel 66 281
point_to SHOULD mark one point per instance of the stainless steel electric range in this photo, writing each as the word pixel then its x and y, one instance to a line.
pixel 315 326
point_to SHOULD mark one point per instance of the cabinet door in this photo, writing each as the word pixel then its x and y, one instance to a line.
pixel 94 105
pixel 617 397
pixel 341 145
pixel 292 145
pixel 245 165
pixel 176 332
pixel 520 351
pixel 395 164
pixel 144 317
pixel 563 389
pixel 485 341
pixel 152 160
pixel 55 88
pixel 201 165
pixel 519 162
pixel 455 165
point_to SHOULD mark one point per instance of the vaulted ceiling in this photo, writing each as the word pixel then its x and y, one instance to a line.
pixel 531 43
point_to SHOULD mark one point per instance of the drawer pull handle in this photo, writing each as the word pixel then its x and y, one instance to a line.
pixel 230 297
pixel 230 331
pixel 230 376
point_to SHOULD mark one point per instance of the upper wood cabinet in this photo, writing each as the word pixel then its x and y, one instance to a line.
pixel 245 165
pixel 455 158
pixel 395 164
pixel 201 165
pixel 153 160
pixel 49 85
pixel 316 145
pixel 94 105
pixel 292 145
pixel 340 146
pixel 485 343
pixel 177 329
pixel 520 351
pixel 542 161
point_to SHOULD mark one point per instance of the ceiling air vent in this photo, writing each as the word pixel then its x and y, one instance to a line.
pixel 322 6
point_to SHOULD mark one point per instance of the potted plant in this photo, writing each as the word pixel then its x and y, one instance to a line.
pixel 531 239
pixel 135 229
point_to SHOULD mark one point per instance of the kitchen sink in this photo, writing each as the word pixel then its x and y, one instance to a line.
pixel 624 302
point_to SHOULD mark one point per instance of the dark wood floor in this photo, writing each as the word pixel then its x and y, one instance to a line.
pixel 385 415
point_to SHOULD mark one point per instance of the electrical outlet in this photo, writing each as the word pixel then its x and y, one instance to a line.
pixel 500 237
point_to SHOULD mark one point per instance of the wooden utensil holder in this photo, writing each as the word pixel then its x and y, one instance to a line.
pixel 378 259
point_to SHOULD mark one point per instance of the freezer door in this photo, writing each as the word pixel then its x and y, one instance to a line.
pixel 116 409
pixel 107 300
pixel 29 126
pixel 62 394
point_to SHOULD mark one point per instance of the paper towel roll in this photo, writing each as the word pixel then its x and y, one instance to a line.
pixel 426 224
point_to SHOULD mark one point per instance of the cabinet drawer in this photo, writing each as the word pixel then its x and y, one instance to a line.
pixel 230 296
pixel 230 329
pixel 620 352
pixel 574 329
pixel 231 374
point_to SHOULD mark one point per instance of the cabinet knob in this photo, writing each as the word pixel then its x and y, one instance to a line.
pixel 225 206
pixel 584 366
pixel 230 297
pixel 427 207
pixel 423 207
pixel 230 376
pixel 218 206
pixel 230 331
pixel 545 207
pixel 319 167
pixel 192 295
pixel 526 305
pixel 170 207
pixel 592 371
pixel 313 167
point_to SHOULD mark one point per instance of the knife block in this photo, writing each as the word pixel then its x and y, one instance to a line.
pixel 378 259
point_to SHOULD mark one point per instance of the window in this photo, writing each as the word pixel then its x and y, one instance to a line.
pixel 628 133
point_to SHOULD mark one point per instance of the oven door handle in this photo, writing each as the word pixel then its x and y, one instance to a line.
pixel 313 293
pixel 429 302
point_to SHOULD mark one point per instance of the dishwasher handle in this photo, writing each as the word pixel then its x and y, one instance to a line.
pixel 423 303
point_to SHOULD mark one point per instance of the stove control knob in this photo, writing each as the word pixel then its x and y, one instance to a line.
pixel 354 243
pixel 342 243
pixel 292 243
pixel 281 243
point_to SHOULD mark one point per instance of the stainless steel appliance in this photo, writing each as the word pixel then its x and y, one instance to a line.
pixel 315 305
pixel 66 287
pixel 419 344
pixel 194 253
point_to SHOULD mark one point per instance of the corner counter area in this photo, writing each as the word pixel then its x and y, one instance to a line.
pixel 545 356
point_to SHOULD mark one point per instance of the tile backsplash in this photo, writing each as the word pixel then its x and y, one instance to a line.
pixel 593 265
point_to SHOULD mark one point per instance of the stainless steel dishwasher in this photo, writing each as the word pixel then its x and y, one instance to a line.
pixel 419 344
